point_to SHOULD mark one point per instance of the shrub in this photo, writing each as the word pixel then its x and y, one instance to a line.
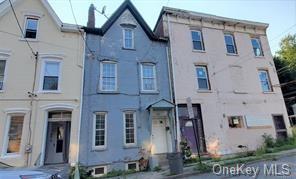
pixel 268 141
pixel 202 167
pixel 84 173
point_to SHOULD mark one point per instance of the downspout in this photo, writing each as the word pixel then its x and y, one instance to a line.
pixel 171 61
pixel 81 101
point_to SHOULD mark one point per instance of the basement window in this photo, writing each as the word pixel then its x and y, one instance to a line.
pixel 235 122
pixel 132 166
pixel 99 171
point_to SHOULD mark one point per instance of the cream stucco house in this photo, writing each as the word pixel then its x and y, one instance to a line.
pixel 225 68
pixel 40 88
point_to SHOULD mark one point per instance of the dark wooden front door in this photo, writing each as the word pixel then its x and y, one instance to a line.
pixel 280 126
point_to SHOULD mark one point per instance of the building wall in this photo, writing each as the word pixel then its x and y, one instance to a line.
pixel 128 96
pixel 20 74
pixel 222 100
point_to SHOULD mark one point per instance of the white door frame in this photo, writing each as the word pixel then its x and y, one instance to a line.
pixel 47 109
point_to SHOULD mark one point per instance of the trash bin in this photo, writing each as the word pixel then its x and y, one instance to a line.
pixel 175 163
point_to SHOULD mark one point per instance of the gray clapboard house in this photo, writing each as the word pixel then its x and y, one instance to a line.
pixel 127 116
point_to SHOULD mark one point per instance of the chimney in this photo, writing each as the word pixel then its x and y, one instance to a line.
pixel 91 16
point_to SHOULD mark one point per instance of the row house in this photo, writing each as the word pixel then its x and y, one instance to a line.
pixel 41 65
pixel 127 115
pixel 225 68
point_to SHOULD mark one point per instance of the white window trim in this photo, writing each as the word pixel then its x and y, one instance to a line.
pixel 201 40
pixel 101 76
pixel 123 39
pixel 101 147
pixel 25 25
pixel 207 77
pixel 135 129
pixel 41 79
pixel 99 175
pixel 136 162
pixel 268 78
pixel 4 56
pixel 155 76
pixel 259 43
pixel 6 131
pixel 233 42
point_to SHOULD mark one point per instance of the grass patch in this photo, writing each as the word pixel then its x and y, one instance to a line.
pixel 116 173
pixel 203 168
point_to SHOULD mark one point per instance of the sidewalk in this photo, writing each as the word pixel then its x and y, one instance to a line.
pixel 190 170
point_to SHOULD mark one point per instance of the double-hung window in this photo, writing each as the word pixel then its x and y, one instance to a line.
pixel 256 44
pixel 230 44
pixel 108 76
pixel 31 28
pixel 202 77
pixel 14 134
pixel 148 77
pixel 2 73
pixel 129 128
pixel 100 131
pixel 265 81
pixel 197 40
pixel 128 38
pixel 51 75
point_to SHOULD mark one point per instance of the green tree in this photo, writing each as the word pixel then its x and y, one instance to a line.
pixel 287 51
pixel 285 62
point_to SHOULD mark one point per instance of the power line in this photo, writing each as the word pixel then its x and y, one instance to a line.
pixel 22 32
pixel 72 10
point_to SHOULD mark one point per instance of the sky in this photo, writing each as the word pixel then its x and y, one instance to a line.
pixel 279 14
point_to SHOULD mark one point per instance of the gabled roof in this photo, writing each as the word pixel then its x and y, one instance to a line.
pixel 127 4
pixel 208 17
pixel 162 104
pixel 5 8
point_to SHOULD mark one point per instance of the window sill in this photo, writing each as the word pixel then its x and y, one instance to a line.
pixel 232 54
pixel 149 92
pixel 7 156
pixel 28 39
pixel 108 92
pixel 132 49
pixel 98 149
pixel 204 91
pixel 239 92
pixel 130 146
pixel 49 92
pixel 268 92
pixel 199 51
pixel 259 56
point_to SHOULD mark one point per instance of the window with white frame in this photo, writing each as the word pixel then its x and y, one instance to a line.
pixel 99 171
pixel 197 40
pixel 129 128
pixel 202 77
pixel 133 166
pixel 100 125
pixel 2 73
pixel 14 134
pixel 128 38
pixel 257 47
pixel 31 28
pixel 51 75
pixel 230 43
pixel 108 76
pixel 265 81
pixel 148 73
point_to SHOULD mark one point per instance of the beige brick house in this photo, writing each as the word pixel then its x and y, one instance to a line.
pixel 226 68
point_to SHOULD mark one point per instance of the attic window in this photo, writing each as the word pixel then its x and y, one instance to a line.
pixel 31 27
pixel 128 38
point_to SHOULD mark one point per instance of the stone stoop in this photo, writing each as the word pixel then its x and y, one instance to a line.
pixel 63 169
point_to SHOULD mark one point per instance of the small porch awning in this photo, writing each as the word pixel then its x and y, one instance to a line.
pixel 161 104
